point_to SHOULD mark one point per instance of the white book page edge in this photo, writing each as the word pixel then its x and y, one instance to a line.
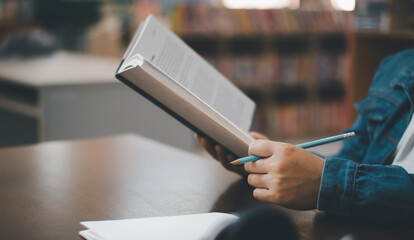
pixel 138 60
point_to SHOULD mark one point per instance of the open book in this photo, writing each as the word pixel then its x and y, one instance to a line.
pixel 205 226
pixel 165 70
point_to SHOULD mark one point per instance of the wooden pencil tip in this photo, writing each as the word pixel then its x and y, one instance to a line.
pixel 235 162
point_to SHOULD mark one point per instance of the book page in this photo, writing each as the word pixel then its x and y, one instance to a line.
pixel 203 226
pixel 158 45
pixel 183 105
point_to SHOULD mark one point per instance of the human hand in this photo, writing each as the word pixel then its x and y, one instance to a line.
pixel 221 154
pixel 288 175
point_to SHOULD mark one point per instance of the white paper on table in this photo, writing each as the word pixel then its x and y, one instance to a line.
pixel 203 226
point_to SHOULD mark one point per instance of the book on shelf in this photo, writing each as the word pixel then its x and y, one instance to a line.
pixel 162 68
pixel 187 19
pixel 272 70
pixel 203 226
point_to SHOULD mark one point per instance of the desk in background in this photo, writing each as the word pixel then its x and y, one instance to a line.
pixel 72 96
pixel 48 188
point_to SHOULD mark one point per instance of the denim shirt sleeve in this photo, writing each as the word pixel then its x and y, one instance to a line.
pixel 382 194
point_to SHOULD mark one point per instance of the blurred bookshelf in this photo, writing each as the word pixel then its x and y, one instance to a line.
pixel 14 14
pixel 290 62
pixel 304 68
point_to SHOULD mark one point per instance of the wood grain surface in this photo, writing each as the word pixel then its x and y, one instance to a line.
pixel 47 189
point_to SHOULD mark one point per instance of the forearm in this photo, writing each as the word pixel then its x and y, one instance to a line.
pixel 383 194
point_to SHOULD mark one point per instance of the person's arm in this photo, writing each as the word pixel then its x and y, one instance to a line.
pixel 292 177
pixel 383 194
pixel 380 193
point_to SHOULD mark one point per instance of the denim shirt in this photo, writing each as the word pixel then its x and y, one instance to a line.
pixel 359 180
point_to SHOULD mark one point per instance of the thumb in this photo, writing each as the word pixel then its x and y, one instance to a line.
pixel 262 148
pixel 258 136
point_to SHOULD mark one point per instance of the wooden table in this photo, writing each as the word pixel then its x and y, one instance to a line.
pixel 47 189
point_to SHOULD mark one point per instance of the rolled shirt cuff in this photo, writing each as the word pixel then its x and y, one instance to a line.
pixel 337 187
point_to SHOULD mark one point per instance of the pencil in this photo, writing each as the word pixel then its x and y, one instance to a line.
pixel 315 143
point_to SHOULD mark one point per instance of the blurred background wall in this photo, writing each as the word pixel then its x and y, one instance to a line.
pixel 304 62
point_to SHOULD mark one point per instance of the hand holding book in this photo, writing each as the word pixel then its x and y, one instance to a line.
pixel 222 155
pixel 284 174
